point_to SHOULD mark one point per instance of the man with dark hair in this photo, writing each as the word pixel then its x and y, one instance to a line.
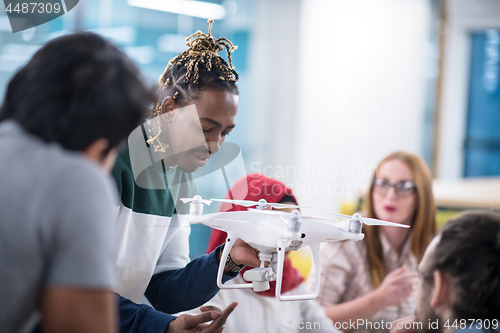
pixel 63 116
pixel 459 286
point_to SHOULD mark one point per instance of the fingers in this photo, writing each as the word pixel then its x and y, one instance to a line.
pixel 213 309
pixel 400 276
pixel 406 291
pixel 408 277
pixel 398 271
pixel 405 282
pixel 404 294
pixel 399 285
pixel 244 254
pixel 206 308
pixel 227 311
pixel 191 322
pixel 218 324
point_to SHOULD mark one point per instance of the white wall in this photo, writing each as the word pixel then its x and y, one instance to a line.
pixel 464 17
pixel 360 94
pixel 273 89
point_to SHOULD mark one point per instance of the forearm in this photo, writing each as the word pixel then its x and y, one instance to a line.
pixel 218 255
pixel 136 318
pixel 186 288
pixel 362 307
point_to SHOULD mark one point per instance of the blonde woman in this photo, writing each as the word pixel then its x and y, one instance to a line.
pixel 370 282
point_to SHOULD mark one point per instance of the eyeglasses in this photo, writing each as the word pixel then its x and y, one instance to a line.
pixel 403 189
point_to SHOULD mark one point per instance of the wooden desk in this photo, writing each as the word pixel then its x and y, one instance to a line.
pixel 468 192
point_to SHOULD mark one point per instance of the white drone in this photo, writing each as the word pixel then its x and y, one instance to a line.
pixel 273 233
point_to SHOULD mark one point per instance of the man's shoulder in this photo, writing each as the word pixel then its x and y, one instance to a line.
pixel 68 169
pixel 42 163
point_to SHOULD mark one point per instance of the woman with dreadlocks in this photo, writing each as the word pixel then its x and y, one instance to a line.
pixel 153 247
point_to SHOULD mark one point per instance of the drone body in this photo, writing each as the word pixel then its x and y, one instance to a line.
pixel 273 233
pixel 261 229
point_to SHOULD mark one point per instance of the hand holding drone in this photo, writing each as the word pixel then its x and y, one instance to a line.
pixel 273 233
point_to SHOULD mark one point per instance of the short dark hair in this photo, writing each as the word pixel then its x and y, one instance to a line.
pixel 76 89
pixel 469 254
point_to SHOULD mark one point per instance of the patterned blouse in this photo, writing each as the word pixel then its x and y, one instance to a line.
pixel 345 276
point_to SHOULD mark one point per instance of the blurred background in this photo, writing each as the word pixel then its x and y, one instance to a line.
pixel 327 87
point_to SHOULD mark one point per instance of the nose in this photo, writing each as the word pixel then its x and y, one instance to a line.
pixel 214 140
pixel 391 192
pixel 213 147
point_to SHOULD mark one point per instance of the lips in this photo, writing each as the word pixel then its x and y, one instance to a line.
pixel 200 159
pixel 390 208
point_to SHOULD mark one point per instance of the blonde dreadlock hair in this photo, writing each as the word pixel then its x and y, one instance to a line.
pixel 199 67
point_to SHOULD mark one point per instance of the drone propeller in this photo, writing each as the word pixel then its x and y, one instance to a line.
pixel 261 204
pixel 311 217
pixel 269 212
pixel 303 218
pixel 196 199
pixel 366 220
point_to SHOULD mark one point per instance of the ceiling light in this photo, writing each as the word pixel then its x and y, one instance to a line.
pixel 201 9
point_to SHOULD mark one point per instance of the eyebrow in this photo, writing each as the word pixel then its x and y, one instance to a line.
pixel 215 123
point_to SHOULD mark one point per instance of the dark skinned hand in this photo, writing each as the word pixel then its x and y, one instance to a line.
pixel 188 323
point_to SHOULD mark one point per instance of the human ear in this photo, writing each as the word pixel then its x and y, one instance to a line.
pixel 96 151
pixel 168 104
pixel 440 294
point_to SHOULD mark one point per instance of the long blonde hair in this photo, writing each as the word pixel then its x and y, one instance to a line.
pixel 423 226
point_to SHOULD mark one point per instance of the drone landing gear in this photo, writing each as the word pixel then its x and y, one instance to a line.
pixel 229 245
pixel 259 277
pixel 279 282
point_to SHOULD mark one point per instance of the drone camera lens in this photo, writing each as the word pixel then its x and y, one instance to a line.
pixel 303 235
